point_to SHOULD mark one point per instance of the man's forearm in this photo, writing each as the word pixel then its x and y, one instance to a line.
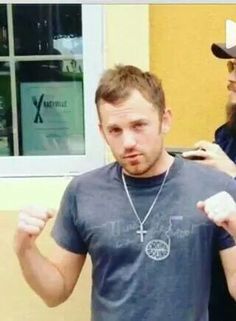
pixel 42 276
pixel 232 286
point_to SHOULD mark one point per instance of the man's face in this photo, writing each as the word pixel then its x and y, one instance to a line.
pixel 134 132
pixel 231 64
pixel 231 104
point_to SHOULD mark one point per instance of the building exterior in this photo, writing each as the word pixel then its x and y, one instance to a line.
pixel 51 57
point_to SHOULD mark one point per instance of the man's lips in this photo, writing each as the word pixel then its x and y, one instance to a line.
pixel 131 156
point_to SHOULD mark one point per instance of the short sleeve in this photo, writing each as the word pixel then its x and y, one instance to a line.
pixel 224 239
pixel 65 232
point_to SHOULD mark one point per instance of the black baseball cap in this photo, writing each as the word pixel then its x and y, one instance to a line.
pixel 220 51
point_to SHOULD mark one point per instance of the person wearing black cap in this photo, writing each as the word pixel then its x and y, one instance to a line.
pixel 222 155
pixel 222 307
pixel 225 135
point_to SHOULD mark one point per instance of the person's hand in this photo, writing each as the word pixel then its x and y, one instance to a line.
pixel 212 155
pixel 221 209
pixel 31 222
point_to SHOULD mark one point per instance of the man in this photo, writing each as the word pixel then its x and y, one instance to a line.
pixel 222 155
pixel 226 134
pixel 138 218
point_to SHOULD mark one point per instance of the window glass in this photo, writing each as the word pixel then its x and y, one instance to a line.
pixel 47 74
pixel 47 29
pixel 6 143
pixel 3 31
pixel 50 105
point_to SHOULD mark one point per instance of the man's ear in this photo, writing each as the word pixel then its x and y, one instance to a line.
pixel 166 121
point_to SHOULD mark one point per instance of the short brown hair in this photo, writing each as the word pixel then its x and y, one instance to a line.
pixel 116 85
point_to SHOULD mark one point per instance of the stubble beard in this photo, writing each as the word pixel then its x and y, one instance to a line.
pixel 144 168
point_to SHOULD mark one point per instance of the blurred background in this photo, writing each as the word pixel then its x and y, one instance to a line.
pixel 51 57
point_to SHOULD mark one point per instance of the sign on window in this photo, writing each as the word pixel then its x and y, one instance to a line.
pixel 52 118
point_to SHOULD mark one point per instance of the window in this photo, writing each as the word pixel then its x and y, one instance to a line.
pixel 50 62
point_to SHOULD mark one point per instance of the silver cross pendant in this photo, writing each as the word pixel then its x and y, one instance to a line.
pixel 141 231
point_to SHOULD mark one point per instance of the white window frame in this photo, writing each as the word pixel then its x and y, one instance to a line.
pixel 93 65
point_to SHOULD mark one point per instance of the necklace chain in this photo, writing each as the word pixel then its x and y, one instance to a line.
pixel 141 231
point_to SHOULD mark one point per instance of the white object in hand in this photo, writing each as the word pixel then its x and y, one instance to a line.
pixel 220 206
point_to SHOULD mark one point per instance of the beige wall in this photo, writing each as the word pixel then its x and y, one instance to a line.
pixel 126 29
pixel 127 35
pixel 18 302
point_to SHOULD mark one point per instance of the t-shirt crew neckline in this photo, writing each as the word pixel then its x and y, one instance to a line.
pixel 150 181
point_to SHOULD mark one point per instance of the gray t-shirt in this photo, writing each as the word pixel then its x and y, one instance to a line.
pixel 164 278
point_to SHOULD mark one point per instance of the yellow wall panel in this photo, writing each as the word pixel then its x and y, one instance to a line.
pixel 194 80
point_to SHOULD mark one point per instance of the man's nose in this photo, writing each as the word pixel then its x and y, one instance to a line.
pixel 129 140
pixel 232 76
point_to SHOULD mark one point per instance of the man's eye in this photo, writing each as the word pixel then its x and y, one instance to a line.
pixel 114 130
pixel 139 125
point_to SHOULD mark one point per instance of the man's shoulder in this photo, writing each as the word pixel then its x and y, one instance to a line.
pixel 205 180
pixel 98 175
pixel 222 132
pixel 205 172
